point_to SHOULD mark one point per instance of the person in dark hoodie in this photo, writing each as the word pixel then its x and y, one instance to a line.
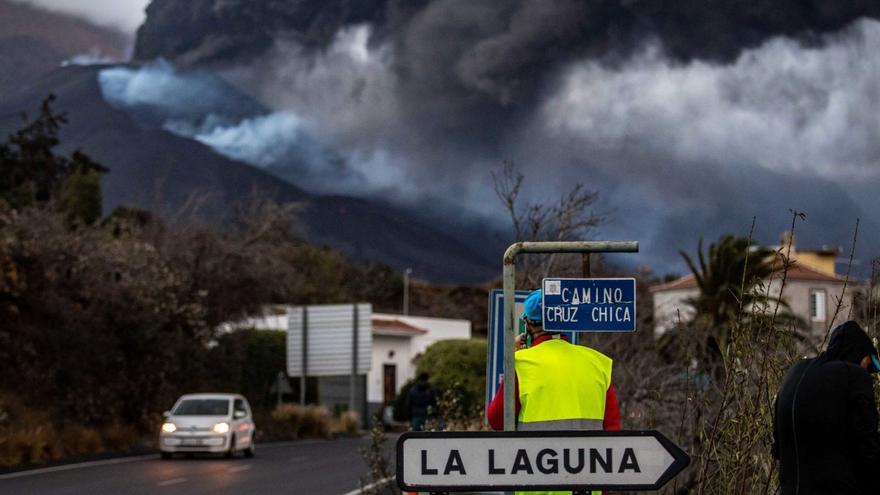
pixel 422 399
pixel 825 420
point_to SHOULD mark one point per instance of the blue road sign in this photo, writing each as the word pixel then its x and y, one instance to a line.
pixel 495 355
pixel 589 304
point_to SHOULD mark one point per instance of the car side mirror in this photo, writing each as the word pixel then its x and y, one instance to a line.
pixel 166 414
pixel 239 414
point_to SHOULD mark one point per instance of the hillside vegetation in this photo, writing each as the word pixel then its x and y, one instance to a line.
pixel 105 320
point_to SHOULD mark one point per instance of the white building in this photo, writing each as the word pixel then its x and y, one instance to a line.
pixel 812 291
pixel 398 341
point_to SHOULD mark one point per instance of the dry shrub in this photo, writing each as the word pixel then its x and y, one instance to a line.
pixel 303 422
pixel 78 440
pixel 348 423
pixel 289 418
pixel 26 436
pixel 316 422
pixel 29 446
pixel 381 467
pixel 120 437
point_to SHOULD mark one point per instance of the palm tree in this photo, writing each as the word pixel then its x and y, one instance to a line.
pixel 727 279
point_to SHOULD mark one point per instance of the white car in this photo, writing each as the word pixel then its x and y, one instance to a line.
pixel 218 423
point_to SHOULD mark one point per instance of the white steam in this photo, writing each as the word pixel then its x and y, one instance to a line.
pixel 784 107
pixel 348 94
pixel 203 107
pixel 261 141
pixel 92 57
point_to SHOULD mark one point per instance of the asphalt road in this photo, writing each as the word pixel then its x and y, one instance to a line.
pixel 331 467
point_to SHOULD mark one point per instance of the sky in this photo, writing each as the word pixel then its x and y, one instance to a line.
pixel 124 15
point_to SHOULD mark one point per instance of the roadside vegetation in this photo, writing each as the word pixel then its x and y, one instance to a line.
pixel 106 319
pixel 708 384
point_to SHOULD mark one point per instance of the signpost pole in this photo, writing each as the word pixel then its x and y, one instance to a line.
pixel 305 356
pixel 354 359
pixel 587 269
pixel 509 279
pixel 278 391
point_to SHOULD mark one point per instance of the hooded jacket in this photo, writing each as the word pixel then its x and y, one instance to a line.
pixel 825 426
pixel 421 397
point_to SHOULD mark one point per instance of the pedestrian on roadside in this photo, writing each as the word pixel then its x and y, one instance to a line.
pixel 559 385
pixel 825 419
pixel 422 401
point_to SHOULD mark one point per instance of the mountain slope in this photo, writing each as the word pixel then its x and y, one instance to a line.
pixel 35 41
pixel 154 169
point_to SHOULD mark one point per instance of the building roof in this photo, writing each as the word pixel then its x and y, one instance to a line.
pixel 396 328
pixel 795 272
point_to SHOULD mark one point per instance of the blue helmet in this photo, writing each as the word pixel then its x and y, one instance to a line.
pixel 534 307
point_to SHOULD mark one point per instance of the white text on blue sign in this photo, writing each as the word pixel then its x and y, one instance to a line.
pixel 589 304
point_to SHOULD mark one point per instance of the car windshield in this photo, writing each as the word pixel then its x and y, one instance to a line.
pixel 202 407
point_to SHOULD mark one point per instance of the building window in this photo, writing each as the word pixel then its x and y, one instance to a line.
pixel 817 305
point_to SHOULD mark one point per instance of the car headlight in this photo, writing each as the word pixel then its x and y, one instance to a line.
pixel 221 427
pixel 169 427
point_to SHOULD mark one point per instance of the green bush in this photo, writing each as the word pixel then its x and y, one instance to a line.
pixel 252 360
pixel 457 369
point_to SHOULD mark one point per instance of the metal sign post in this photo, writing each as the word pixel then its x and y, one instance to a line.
pixel 354 360
pixel 305 356
pixel 509 274
pixel 536 460
pixel 495 349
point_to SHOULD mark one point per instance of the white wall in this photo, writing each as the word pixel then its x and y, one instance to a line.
pixel 408 348
pixel 797 295
pixel 668 305
pixel 402 358
pixel 268 322
pixel 438 329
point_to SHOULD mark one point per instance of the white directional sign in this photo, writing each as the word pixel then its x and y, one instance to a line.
pixel 536 460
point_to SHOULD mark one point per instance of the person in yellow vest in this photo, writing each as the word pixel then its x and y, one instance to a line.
pixel 559 385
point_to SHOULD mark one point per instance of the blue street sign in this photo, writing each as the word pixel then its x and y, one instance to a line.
pixel 495 355
pixel 589 304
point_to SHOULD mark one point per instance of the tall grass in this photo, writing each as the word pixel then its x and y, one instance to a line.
pixel 28 436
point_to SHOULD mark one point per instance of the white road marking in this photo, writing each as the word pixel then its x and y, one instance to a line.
pixel 370 486
pixel 240 468
pixel 79 465
pixel 172 481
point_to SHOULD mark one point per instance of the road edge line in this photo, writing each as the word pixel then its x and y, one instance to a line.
pixel 370 486
pixel 78 465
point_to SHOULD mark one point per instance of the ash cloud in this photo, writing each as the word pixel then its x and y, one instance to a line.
pixel 690 117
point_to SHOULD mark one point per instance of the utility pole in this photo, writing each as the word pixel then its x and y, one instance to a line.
pixel 406 274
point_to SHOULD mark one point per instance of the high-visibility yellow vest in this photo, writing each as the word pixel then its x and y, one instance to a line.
pixel 561 387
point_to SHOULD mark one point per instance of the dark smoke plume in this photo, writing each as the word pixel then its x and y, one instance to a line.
pixel 689 116
pixel 502 48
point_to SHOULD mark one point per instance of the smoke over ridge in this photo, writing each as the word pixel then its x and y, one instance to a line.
pixel 688 119
pixel 200 106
